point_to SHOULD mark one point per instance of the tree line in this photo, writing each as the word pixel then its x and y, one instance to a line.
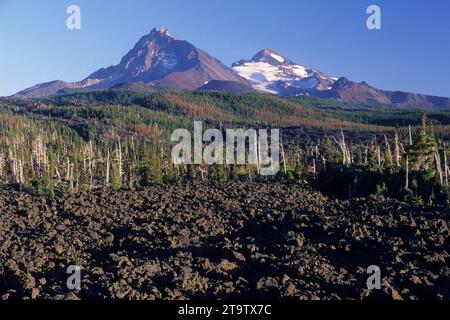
pixel 47 158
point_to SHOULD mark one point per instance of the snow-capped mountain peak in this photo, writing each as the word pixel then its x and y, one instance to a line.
pixel 270 56
pixel 163 32
pixel 268 71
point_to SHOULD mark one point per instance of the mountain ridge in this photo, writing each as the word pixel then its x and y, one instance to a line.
pixel 270 72
pixel 159 59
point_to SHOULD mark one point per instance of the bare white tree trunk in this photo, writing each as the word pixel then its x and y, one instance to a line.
pixel 397 150
pixel 366 155
pixel 2 164
pixel 344 149
pixel 258 156
pixel 388 150
pixel 68 170
pixel 21 177
pixel 39 156
pixel 283 157
pixel 202 172
pixel 446 166
pixel 91 165
pixel 58 175
pixel 71 178
pixel 407 172
pixel 108 164
pixel 410 135
pixel 437 159
pixel 379 156
pixel 120 162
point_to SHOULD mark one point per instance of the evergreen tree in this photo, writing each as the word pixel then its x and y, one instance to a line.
pixel 154 168
pixel 372 158
pixel 217 172
pixel 330 152
pixel 423 149
pixel 116 181
pixel 171 173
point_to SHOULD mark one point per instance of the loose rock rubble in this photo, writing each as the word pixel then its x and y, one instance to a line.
pixel 220 241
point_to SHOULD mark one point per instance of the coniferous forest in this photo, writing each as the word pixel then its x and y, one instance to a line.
pixel 83 141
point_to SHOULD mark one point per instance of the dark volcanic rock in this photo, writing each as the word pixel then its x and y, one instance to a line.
pixel 224 240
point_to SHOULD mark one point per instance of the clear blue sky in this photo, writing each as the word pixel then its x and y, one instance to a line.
pixel 411 53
